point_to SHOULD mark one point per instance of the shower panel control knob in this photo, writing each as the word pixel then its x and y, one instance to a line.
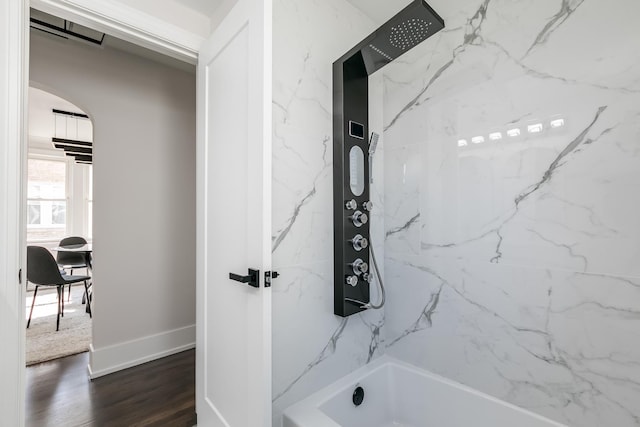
pixel 352 280
pixel 360 267
pixel 351 205
pixel 359 218
pixel 368 205
pixel 359 243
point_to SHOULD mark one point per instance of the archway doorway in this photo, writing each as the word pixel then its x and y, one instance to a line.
pixel 144 174
pixel 59 188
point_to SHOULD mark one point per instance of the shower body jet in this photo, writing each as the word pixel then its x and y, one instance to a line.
pixel 351 168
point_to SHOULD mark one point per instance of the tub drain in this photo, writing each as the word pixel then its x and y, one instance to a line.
pixel 358 396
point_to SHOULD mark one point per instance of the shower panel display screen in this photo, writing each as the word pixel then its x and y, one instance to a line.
pixel 356 130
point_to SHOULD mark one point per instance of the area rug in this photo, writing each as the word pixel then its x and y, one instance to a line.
pixel 43 342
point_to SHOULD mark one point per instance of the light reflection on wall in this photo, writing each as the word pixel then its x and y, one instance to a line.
pixel 513 132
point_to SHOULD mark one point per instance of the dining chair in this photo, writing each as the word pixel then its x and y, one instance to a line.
pixel 42 270
pixel 71 260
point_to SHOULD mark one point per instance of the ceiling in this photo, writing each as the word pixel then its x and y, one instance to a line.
pixel 206 7
pixel 42 119
pixel 46 25
pixel 380 10
pixel 41 103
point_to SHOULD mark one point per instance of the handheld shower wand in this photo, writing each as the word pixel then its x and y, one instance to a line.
pixel 373 144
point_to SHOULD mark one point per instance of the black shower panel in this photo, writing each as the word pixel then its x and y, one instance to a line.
pixel 351 217
pixel 351 193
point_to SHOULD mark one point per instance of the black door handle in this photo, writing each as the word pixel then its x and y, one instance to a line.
pixel 251 279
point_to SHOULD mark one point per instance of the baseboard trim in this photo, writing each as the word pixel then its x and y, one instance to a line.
pixel 113 358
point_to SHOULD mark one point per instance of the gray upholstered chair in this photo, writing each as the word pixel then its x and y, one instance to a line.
pixel 42 270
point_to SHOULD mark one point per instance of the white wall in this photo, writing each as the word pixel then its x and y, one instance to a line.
pixel 12 88
pixel 144 188
pixel 196 16
pixel 512 265
pixel 311 346
pixel 176 13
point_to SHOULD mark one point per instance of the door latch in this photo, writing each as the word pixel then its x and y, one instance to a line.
pixel 268 275
pixel 251 279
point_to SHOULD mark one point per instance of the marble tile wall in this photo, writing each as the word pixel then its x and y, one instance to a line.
pixel 311 346
pixel 513 262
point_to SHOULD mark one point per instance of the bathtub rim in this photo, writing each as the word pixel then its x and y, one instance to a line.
pixel 308 410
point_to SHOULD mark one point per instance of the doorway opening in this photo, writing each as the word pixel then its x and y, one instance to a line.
pixel 141 260
pixel 59 212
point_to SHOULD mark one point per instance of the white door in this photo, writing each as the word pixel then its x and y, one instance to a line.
pixel 233 346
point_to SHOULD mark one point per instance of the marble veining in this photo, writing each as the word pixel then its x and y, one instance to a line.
pixel 327 351
pixel 567 7
pixel 571 147
pixel 512 244
pixel 281 234
pixel 531 355
pixel 424 320
pixel 413 220
pixel 376 338
pixel 311 346
pixel 510 263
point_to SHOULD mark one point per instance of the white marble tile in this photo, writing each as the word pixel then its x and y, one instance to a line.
pixel 311 346
pixel 549 195
pixel 524 282
pixel 403 172
pixel 378 166
pixel 541 339
pixel 304 50
pixel 509 262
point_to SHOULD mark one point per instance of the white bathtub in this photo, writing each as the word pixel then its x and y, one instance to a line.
pixel 400 395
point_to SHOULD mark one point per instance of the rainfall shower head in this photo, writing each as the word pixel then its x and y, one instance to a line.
pixel 410 27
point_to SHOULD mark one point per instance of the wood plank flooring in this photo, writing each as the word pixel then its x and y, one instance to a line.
pixel 158 393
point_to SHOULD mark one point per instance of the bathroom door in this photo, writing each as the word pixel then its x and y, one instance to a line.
pixel 233 345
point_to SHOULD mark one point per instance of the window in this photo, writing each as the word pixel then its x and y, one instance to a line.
pixel 33 213
pixel 46 199
pixel 58 213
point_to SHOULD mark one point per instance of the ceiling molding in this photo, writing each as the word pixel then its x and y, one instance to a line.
pixel 132 25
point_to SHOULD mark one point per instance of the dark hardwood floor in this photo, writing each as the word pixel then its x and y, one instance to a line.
pixel 158 393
